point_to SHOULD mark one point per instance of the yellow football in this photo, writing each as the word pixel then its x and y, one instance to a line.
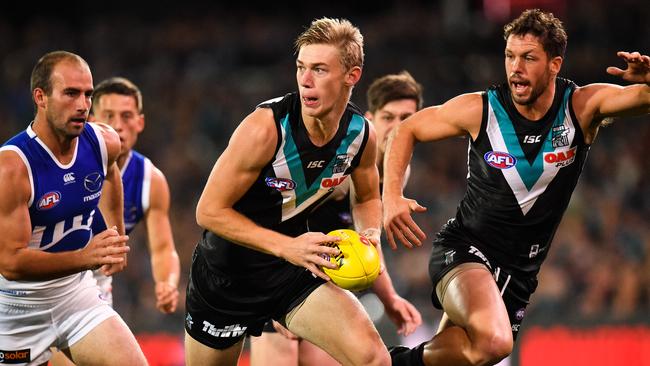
pixel 358 261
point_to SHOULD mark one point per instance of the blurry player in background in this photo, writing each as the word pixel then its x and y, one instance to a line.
pixel 53 175
pixel 257 260
pixel 529 140
pixel 118 102
pixel 391 99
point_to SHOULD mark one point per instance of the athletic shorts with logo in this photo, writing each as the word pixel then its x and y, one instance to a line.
pixel 222 309
pixel 29 328
pixel 515 288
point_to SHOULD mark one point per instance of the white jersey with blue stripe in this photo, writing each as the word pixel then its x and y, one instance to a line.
pixel 62 203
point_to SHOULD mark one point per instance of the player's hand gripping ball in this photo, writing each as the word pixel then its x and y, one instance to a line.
pixel 358 261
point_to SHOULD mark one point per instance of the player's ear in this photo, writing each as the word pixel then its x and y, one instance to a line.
pixel 40 98
pixel 353 76
pixel 368 116
pixel 556 65
pixel 140 124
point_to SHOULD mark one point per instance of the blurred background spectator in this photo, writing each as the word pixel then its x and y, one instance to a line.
pixel 203 67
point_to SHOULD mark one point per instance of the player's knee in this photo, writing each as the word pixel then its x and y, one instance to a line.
pixel 492 347
pixel 372 356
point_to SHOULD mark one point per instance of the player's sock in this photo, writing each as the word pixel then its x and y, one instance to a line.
pixel 404 356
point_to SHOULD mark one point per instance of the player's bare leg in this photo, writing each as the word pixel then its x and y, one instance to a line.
pixel 273 346
pixel 476 329
pixel 198 354
pixel 106 345
pixel 333 319
pixel 309 354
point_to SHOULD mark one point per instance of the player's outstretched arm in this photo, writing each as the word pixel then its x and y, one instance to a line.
pixel 459 116
pixel 164 258
pixel 250 148
pixel 17 260
pixel 595 102
pixel 638 67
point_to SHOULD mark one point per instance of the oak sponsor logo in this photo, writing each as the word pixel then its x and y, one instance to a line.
pixel 561 158
pixel 331 183
pixel 14 357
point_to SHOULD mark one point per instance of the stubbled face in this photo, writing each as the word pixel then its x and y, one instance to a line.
pixel 67 107
pixel 528 68
pixel 390 116
pixel 121 113
pixel 321 79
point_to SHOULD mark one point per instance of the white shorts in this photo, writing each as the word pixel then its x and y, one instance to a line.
pixel 27 331
pixel 105 284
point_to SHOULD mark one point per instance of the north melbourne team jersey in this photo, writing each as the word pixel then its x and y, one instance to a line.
pixel 136 184
pixel 63 198
pixel 298 177
pixel 521 177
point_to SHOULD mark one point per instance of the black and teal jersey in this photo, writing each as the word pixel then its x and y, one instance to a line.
pixel 521 177
pixel 298 177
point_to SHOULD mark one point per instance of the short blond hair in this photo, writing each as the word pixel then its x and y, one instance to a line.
pixel 336 32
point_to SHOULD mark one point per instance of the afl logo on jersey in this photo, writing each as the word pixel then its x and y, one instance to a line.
pixel 49 200
pixel 93 182
pixel 499 159
pixel 280 184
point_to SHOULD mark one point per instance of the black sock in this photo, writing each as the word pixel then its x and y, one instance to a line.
pixel 404 356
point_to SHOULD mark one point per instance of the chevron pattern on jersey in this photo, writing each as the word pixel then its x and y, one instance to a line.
pixel 528 181
pixel 289 165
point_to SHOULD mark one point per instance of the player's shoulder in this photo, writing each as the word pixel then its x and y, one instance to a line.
pixel 107 133
pixel 259 124
pixel 463 106
pixel 13 164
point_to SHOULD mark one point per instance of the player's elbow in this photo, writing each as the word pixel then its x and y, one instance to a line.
pixel 208 219
pixel 10 271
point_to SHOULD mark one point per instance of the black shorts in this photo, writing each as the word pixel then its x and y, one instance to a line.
pixel 515 289
pixel 221 309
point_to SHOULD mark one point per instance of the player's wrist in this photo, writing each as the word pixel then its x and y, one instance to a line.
pixel 371 232
pixel 168 284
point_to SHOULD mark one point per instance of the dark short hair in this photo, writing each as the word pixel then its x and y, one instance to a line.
pixel 393 87
pixel 41 77
pixel 118 85
pixel 542 25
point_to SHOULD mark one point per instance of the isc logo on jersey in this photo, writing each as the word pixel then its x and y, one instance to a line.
pixel 499 159
pixel 330 183
pixel 561 158
pixel 49 200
